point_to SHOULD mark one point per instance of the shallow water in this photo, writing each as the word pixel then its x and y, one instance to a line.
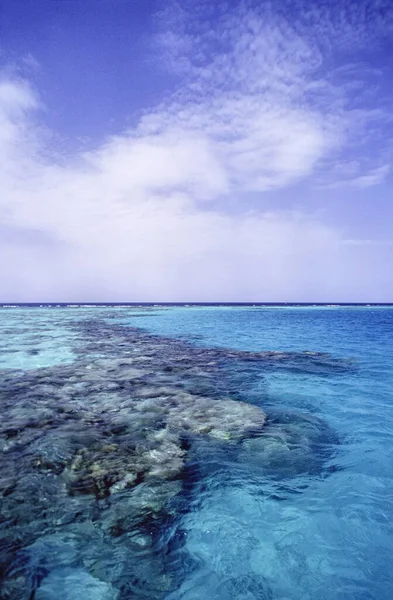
pixel 136 462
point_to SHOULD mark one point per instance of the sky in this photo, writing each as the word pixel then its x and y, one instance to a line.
pixel 196 151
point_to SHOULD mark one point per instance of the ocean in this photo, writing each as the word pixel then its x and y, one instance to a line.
pixel 196 452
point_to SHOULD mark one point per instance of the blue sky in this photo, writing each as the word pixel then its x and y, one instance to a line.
pixel 196 150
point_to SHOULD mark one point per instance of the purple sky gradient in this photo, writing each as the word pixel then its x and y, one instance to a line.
pixel 190 151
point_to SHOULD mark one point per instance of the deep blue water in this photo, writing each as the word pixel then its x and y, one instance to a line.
pixel 315 526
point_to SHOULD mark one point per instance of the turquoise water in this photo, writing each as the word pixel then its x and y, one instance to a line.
pixel 30 339
pixel 307 517
pixel 334 540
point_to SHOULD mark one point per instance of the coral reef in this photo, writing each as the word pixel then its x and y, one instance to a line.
pixel 98 450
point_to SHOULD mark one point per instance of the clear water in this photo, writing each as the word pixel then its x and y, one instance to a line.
pixel 251 523
pixel 30 339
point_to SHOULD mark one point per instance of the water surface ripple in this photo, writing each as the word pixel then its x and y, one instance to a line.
pixel 201 452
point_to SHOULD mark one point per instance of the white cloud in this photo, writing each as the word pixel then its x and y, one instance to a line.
pixel 16 99
pixel 353 176
pixel 245 91
pixel 373 177
pixel 134 218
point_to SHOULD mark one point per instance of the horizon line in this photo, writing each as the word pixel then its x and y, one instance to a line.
pixel 189 303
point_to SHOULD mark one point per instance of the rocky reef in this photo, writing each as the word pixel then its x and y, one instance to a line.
pixel 95 453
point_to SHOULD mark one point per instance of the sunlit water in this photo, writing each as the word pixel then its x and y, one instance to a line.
pixel 304 519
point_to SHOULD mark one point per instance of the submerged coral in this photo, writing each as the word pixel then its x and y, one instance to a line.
pixel 99 449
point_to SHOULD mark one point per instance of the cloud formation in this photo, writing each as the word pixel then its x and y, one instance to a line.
pixel 137 217
pixel 351 175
